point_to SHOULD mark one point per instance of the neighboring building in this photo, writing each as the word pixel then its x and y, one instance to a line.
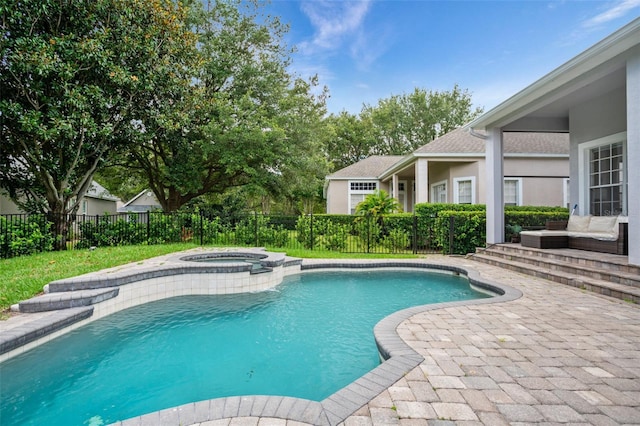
pixel 452 169
pixel 347 187
pixel 595 97
pixel 145 201
pixel 96 201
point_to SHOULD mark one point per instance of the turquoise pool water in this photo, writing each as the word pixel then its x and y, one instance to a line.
pixel 308 338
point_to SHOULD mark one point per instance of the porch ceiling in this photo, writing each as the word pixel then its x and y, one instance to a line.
pixel 544 106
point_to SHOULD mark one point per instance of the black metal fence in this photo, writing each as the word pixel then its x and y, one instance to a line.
pixel 25 234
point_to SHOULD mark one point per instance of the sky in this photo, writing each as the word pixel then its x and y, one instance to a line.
pixel 367 50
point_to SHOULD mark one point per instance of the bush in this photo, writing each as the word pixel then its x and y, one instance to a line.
pixel 396 240
pixel 469 231
pixel 23 237
pixel 335 237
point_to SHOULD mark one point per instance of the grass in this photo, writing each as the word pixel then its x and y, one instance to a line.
pixel 24 277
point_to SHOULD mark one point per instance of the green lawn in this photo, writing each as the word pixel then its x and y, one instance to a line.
pixel 24 277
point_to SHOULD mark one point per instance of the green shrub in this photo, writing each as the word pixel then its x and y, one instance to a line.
pixel 335 237
pixel 396 240
pixel 23 237
pixel 469 231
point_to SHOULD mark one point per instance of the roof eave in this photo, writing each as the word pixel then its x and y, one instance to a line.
pixel 518 105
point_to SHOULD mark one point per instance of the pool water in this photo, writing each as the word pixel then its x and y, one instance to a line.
pixel 308 338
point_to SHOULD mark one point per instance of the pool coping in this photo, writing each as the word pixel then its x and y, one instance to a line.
pixel 399 359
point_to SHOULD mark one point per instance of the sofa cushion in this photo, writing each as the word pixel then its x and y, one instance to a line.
pixel 578 223
pixel 602 236
pixel 602 224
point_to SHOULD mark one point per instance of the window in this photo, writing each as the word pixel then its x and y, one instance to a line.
pixel 439 192
pixel 513 192
pixel 464 190
pixel 358 190
pixel 606 179
pixel 566 193
pixel 364 186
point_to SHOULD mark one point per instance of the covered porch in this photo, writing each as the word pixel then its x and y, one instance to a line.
pixel 595 97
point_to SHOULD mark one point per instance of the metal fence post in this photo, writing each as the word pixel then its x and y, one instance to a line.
pixel 415 234
pixel 201 230
pixel 451 230
pixel 148 226
pixel 368 234
pixel 311 230
pixel 256 229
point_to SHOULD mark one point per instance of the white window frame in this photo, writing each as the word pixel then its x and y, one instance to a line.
pixel 584 184
pixel 366 192
pixel 519 187
pixel 433 191
pixel 456 188
pixel 404 193
pixel 566 193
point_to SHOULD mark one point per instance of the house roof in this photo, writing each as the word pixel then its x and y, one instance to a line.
pixel 98 191
pixel 461 141
pixel 369 168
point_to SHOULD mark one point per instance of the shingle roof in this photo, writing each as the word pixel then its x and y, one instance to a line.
pixel 460 141
pixel 370 167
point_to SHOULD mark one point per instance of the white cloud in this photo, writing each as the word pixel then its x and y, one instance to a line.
pixel 616 10
pixel 332 20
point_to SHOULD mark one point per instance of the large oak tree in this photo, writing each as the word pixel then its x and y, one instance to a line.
pixel 75 76
pixel 240 121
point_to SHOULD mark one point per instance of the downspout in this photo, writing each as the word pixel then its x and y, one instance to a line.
pixel 473 133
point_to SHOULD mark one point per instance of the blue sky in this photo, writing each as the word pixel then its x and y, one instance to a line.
pixel 368 50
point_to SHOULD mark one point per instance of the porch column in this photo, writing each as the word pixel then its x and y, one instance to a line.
pixel 633 156
pixel 422 181
pixel 394 186
pixel 495 187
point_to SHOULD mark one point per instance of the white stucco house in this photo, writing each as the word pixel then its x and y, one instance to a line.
pixel 595 98
pixel 453 168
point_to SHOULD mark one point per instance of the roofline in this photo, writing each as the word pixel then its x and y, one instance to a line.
pixel 136 197
pixel 514 107
pixel 352 178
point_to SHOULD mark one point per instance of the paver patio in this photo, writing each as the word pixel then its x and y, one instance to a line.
pixel 557 355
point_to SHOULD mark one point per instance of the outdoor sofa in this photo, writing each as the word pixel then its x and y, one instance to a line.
pixel 606 234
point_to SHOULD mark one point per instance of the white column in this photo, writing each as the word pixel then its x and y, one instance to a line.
pixel 394 186
pixel 495 187
pixel 633 156
pixel 422 181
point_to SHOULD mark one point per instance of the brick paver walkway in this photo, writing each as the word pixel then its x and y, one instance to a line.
pixel 558 355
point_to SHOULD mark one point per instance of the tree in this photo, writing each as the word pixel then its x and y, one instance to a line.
pixel 378 203
pixel 234 126
pixel 351 139
pixel 401 124
pixel 74 75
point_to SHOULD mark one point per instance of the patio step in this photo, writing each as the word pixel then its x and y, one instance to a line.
pixel 612 271
pixel 66 300
pixel 616 280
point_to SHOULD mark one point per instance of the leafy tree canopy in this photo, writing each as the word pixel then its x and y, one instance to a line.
pixel 398 125
pixel 73 76
pixel 244 120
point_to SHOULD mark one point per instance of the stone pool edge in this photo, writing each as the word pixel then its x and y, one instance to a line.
pixel 399 359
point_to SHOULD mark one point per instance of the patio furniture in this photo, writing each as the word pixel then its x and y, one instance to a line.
pixel 605 234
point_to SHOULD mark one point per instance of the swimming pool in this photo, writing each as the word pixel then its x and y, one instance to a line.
pixel 156 355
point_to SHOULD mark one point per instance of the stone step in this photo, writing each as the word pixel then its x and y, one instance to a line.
pixel 66 300
pixel 584 258
pixel 559 263
pixel 619 291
